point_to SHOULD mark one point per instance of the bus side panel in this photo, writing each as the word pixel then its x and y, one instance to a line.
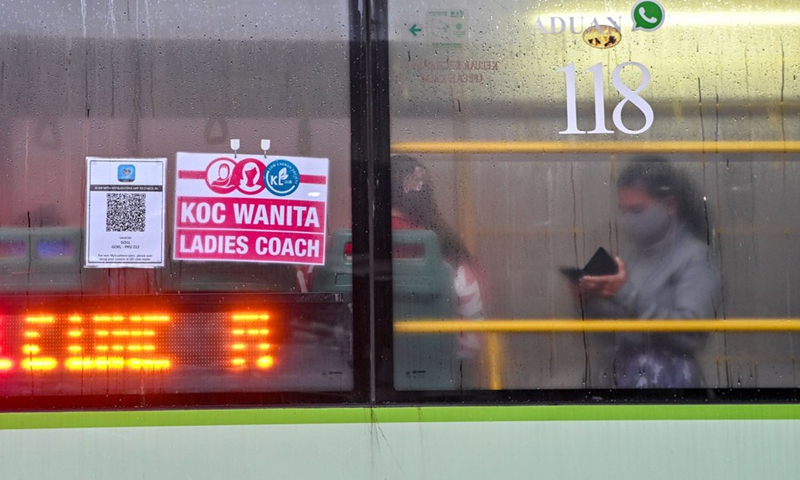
pixel 564 448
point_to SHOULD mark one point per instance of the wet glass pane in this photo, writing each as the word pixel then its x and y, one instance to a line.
pixel 148 79
pixel 522 118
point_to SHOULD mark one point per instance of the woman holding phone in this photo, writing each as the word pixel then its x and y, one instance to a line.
pixel 665 273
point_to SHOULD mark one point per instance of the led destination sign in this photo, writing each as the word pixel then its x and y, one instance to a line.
pixel 114 342
pixel 208 343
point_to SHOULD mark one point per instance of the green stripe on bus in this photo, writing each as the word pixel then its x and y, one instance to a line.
pixel 361 415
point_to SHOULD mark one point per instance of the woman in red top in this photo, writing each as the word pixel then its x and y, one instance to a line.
pixel 414 207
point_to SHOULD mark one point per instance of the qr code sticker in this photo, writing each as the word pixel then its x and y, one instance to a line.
pixel 125 212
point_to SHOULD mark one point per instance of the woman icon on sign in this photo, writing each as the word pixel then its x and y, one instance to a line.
pixel 250 174
pixel 223 176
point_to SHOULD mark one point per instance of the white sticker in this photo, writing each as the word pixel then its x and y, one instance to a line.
pixel 447 29
pixel 125 212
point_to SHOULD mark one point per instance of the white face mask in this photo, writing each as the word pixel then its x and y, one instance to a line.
pixel 648 226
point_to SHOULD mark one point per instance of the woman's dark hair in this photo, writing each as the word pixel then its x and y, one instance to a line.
pixel 412 195
pixel 660 179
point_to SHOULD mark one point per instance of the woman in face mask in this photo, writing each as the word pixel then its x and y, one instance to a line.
pixel 414 207
pixel 666 274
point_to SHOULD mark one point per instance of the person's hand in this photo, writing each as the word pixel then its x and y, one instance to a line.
pixel 605 286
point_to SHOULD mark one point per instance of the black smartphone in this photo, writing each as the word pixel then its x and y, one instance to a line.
pixel 601 263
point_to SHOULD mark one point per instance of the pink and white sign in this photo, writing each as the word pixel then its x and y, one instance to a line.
pixel 250 209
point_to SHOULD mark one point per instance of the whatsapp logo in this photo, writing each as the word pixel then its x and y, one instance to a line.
pixel 647 15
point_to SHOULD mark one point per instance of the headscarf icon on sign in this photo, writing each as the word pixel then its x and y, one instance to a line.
pixel 221 175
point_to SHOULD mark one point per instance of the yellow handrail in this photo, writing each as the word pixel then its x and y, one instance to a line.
pixel 493 327
pixel 549 326
pixel 478 146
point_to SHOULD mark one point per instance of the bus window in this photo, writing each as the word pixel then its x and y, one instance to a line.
pixel 514 126
pixel 179 78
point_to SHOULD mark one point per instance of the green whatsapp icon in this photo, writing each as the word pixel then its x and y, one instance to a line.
pixel 647 15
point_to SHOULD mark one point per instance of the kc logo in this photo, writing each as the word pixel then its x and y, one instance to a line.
pixel 224 175
pixel 282 177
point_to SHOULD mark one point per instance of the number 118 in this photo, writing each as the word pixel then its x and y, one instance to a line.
pixel 629 95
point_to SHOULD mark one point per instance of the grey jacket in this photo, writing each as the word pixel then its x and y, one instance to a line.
pixel 672 279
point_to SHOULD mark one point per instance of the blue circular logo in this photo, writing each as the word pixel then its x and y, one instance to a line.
pixel 281 177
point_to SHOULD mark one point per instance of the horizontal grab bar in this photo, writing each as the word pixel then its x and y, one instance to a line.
pixel 549 326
